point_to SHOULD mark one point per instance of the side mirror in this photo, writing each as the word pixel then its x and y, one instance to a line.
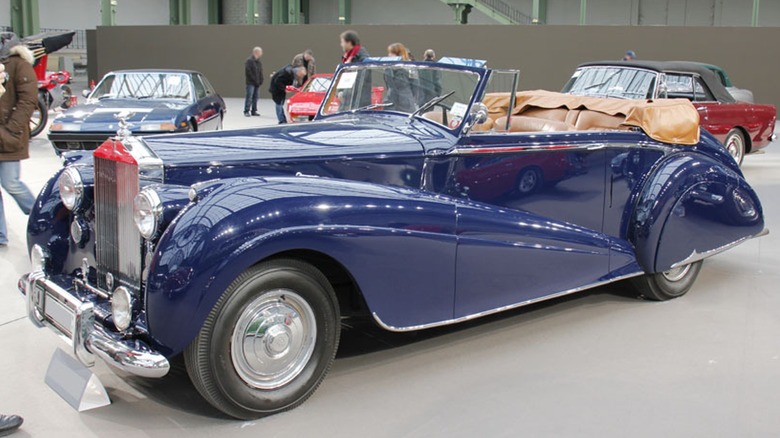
pixel 477 116
pixel 86 93
pixel 291 89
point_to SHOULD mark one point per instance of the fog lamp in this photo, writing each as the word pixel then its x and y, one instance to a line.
pixel 121 308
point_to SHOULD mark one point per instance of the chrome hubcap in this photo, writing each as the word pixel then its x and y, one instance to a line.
pixel 734 146
pixel 274 339
pixel 677 274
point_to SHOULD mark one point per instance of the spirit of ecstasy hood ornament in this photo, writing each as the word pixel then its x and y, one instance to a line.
pixel 123 133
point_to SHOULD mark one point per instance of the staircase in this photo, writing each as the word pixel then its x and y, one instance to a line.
pixel 498 10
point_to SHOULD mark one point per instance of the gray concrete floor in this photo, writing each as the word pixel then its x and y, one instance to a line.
pixel 600 363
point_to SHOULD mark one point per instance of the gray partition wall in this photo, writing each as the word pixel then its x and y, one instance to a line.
pixel 545 55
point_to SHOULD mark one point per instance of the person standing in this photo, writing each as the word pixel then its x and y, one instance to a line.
pixel 253 70
pixel 629 56
pixel 353 51
pixel 278 88
pixel 399 81
pixel 306 60
pixel 430 79
pixel 17 105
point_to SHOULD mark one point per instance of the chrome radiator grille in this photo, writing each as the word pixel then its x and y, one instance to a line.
pixel 118 243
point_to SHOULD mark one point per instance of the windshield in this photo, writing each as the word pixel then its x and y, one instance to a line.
pixel 144 85
pixel 404 88
pixel 319 84
pixel 620 82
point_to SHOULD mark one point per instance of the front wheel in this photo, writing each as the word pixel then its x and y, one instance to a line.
pixel 39 117
pixel 735 145
pixel 663 286
pixel 269 341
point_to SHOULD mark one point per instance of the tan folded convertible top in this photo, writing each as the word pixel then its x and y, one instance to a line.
pixel 665 120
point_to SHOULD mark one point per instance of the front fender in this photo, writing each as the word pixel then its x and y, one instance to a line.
pixel 692 206
pixel 398 245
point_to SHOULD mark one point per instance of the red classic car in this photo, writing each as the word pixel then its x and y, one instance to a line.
pixel 742 127
pixel 303 106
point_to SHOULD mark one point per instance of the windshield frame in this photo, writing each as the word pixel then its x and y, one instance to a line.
pixel 653 84
pixel 480 74
pixel 187 76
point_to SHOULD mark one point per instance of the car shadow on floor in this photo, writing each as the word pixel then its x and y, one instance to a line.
pixel 361 337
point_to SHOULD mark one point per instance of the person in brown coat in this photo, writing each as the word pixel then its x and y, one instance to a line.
pixel 17 105
pixel 305 59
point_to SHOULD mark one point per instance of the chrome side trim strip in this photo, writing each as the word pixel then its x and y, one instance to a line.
pixel 499 309
pixel 696 256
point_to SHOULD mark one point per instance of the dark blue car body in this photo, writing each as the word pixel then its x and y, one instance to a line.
pixel 386 205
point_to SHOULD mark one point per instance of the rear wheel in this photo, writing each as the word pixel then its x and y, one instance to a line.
pixel 39 117
pixel 735 145
pixel 669 284
pixel 269 341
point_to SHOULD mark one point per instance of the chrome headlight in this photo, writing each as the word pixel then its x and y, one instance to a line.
pixel 71 188
pixel 122 308
pixel 38 258
pixel 147 213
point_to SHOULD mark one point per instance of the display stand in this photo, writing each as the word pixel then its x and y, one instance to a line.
pixel 75 383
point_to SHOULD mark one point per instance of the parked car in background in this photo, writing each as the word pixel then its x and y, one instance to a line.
pixel 155 102
pixel 245 251
pixel 739 94
pixel 303 105
pixel 742 127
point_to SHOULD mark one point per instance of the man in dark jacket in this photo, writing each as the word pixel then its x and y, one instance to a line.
pixel 278 89
pixel 253 70
pixel 17 105
pixel 354 52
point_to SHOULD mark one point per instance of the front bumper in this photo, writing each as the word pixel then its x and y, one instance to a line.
pixel 73 319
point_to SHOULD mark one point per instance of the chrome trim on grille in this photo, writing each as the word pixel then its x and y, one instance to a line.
pixel 118 243
pixel 500 309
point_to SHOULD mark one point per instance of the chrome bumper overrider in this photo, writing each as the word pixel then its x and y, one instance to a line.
pixel 74 320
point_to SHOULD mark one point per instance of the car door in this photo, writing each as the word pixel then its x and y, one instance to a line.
pixel 207 107
pixel 530 218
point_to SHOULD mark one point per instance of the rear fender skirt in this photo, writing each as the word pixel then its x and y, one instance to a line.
pixel 694 194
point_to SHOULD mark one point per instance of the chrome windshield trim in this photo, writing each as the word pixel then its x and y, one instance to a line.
pixel 696 256
pixel 499 309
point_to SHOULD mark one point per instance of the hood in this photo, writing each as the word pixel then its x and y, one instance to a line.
pixel 102 113
pixel 332 139
pixel 21 51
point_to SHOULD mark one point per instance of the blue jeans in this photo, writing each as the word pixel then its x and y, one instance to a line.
pixel 250 101
pixel 9 179
pixel 280 113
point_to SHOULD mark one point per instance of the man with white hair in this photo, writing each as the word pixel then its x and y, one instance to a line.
pixel 253 70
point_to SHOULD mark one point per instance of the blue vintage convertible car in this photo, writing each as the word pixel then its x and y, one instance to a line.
pixel 153 101
pixel 244 253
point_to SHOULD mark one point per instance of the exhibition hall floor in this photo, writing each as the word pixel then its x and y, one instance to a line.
pixel 600 363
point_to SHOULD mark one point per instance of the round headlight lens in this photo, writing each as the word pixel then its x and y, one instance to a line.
pixel 71 188
pixel 38 258
pixel 121 308
pixel 147 212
